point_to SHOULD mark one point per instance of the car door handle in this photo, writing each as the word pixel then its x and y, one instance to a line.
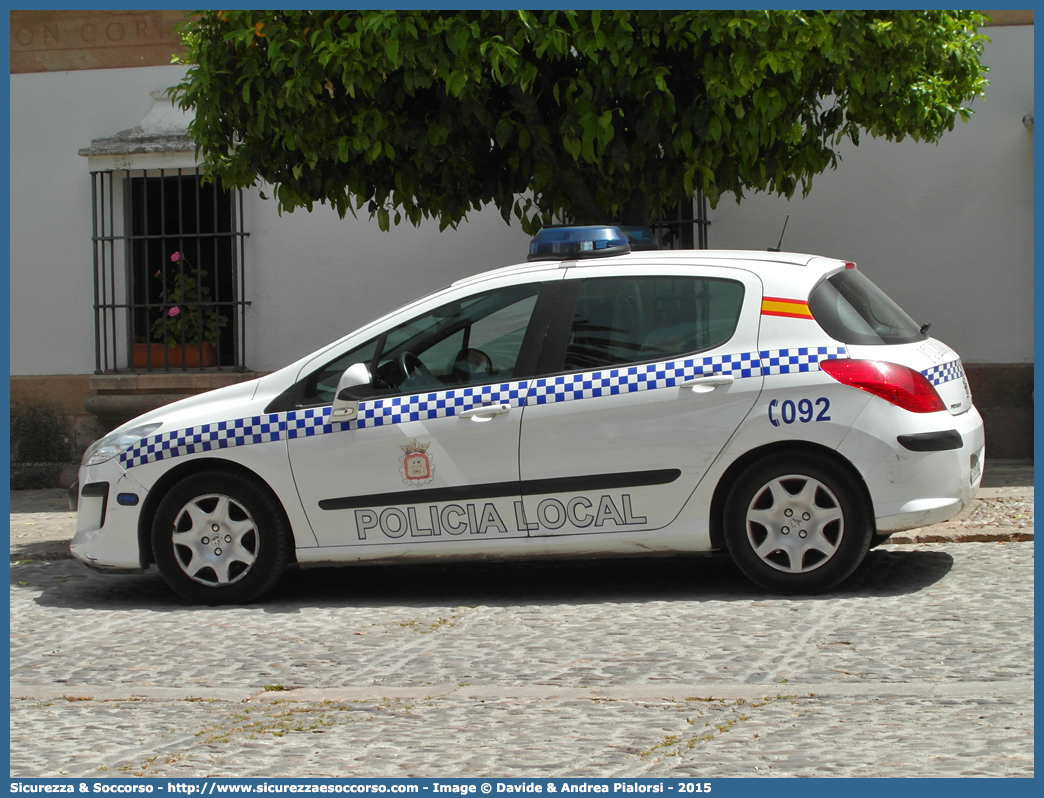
pixel 485 412
pixel 708 382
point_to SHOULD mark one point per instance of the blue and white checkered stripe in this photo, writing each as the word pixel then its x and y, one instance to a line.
pixel 629 379
pixel 316 421
pixel 206 438
pixel 421 407
pixel 798 360
pixel 944 372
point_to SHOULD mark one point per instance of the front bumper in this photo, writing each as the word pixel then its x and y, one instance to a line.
pixel 924 470
pixel 107 531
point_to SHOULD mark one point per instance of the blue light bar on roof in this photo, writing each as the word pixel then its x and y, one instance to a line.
pixel 640 238
pixel 581 241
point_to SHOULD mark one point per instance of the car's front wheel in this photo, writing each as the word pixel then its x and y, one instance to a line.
pixel 220 538
pixel 797 524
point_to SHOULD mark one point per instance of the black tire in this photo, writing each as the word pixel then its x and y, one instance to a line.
pixel 797 524
pixel 879 540
pixel 220 537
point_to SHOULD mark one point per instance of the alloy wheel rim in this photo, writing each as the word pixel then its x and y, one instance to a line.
pixel 795 524
pixel 215 540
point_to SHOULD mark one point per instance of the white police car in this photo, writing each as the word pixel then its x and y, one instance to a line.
pixel 593 401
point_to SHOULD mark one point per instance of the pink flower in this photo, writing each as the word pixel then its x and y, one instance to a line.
pixel 174 311
pixel 175 257
pixel 157 272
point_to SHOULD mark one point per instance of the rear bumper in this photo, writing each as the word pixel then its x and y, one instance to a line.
pixel 922 512
pixel 925 471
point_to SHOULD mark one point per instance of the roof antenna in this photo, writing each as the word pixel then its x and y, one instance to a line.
pixel 776 248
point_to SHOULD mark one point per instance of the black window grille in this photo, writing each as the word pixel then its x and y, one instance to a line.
pixel 169 280
pixel 685 225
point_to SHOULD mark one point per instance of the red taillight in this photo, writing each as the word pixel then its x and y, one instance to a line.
pixel 849 265
pixel 897 384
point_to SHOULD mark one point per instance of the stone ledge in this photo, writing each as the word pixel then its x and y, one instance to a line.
pixel 120 397
pixel 995 534
pixel 67 391
pixel 168 382
pixel 114 405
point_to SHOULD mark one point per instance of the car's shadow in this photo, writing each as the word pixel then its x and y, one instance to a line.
pixel 888 572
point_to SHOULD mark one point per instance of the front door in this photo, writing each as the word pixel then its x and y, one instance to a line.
pixel 434 455
pixel 656 374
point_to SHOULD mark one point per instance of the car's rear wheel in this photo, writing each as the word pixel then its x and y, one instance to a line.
pixel 797 524
pixel 220 538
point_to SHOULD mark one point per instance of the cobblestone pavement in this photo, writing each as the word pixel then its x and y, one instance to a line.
pixel 921 665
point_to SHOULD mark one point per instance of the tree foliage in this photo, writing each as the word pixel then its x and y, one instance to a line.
pixel 588 115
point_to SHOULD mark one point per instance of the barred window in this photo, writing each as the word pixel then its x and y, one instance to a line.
pixel 168 272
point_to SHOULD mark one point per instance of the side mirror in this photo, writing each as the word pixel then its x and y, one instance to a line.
pixel 354 386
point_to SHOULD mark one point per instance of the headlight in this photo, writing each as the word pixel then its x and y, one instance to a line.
pixel 110 446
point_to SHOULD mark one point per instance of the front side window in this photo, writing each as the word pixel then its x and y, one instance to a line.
pixel 631 319
pixel 468 342
pixel 853 310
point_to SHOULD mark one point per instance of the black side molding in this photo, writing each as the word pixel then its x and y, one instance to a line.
pixel 932 441
pixel 490 490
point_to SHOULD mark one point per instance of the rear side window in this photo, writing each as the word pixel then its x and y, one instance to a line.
pixel 853 310
pixel 631 319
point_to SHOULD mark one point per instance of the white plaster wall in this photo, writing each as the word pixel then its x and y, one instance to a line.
pixel 313 277
pixel 53 115
pixel 946 230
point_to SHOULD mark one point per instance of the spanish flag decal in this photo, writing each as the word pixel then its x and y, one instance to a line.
pixel 791 308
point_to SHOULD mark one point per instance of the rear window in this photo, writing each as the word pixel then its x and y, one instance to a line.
pixel 853 310
pixel 630 319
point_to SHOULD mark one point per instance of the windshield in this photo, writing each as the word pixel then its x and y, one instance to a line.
pixel 853 310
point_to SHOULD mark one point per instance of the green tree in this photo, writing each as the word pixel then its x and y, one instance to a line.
pixel 590 115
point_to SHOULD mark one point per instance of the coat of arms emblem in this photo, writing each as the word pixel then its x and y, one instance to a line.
pixel 417 465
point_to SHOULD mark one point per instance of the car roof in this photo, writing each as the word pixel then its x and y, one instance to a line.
pixel 775 267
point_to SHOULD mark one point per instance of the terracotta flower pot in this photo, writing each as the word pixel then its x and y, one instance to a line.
pixel 186 356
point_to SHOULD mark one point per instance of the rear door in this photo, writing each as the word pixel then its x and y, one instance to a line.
pixel 652 373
